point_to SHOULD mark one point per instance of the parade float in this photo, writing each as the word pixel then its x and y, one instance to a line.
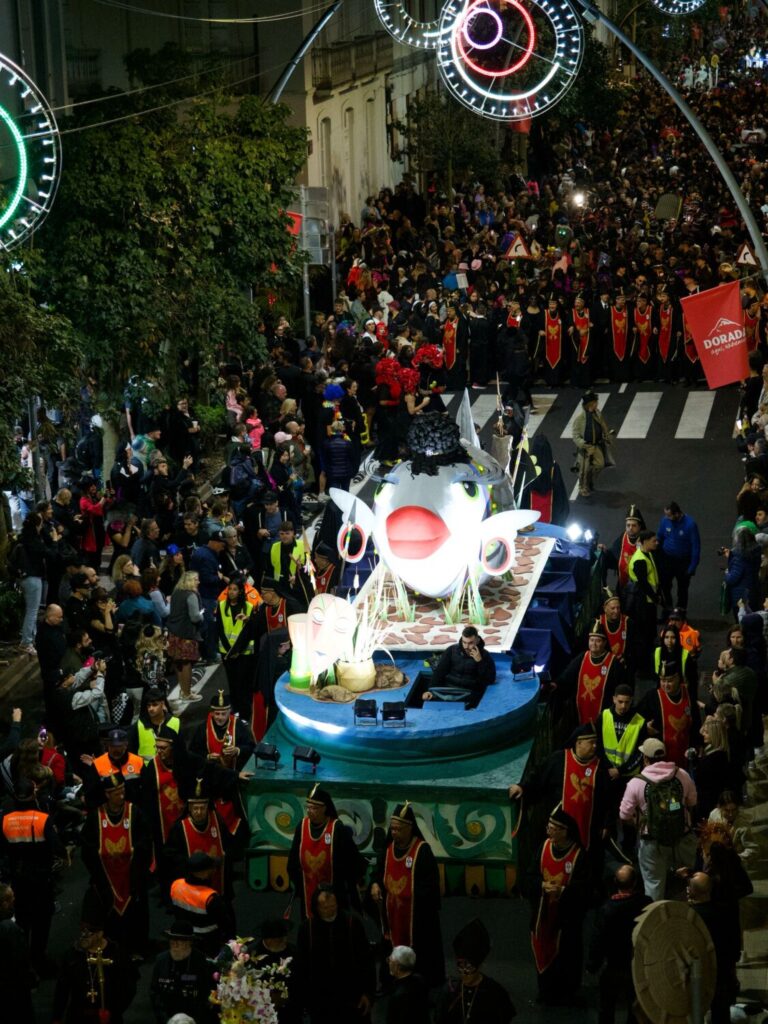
pixel 451 550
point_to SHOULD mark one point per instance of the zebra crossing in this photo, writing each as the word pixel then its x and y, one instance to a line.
pixel 633 414
pixel 659 415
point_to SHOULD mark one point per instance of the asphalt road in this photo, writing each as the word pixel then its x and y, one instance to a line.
pixel 655 464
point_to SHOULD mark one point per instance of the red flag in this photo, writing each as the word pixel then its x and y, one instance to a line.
pixel 716 321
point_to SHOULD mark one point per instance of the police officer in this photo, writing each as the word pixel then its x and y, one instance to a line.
pixel 201 906
pixel 30 845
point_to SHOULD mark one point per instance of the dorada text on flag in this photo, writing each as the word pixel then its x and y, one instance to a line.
pixel 724 335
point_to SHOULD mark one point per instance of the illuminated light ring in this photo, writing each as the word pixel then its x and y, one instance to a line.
pixel 394 16
pixel 21 155
pixel 678 8
pixel 473 42
pixel 558 28
pixel 345 535
pixel 33 139
pixel 461 31
pixel 502 567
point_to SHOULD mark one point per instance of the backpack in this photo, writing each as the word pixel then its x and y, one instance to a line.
pixel 17 561
pixel 665 810
pixel 83 452
pixel 238 481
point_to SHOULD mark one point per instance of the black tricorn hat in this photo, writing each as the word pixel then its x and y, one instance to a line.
pixel 180 930
pixel 473 943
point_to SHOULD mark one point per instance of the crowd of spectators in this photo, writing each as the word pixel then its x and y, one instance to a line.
pixel 134 575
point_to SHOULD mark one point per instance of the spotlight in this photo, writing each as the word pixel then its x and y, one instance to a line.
pixel 574 532
pixel 305 755
pixel 393 712
pixel 267 752
pixel 588 535
pixel 366 712
pixel 578 199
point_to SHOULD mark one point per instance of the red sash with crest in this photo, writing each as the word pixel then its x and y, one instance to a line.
pixel 323 579
pixel 116 854
pixel 666 317
pixel 676 725
pixel 750 329
pixel 579 792
pixel 545 938
pixel 214 744
pixel 316 859
pixel 591 687
pixel 208 841
pixel 619 325
pixel 553 339
pixel 643 328
pixel 617 638
pixel 449 344
pixel 276 618
pixel 581 325
pixel 169 803
pixel 628 548
pixel 398 884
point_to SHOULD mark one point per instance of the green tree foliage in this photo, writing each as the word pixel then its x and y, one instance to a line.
pixel 443 137
pixel 597 94
pixel 163 224
pixel 42 356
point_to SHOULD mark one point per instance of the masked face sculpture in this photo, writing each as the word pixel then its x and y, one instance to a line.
pixel 431 520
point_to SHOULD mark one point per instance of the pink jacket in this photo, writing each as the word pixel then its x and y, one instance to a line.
pixel 633 801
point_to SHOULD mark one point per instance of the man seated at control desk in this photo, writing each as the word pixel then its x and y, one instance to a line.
pixel 463 672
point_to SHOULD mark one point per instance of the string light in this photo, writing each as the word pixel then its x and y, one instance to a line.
pixel 678 8
pixel 256 20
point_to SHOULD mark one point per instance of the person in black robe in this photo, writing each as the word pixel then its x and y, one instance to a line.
pixel 78 995
pixel 233 755
pixel 16 975
pixel 480 355
pixel 474 996
pixel 408 1002
pixel 543 787
pixel 347 865
pixel 272 948
pixel 405 843
pixel 337 980
pixel 546 491
pixel 131 928
pixel 532 327
pixel 558 903
pixel 182 978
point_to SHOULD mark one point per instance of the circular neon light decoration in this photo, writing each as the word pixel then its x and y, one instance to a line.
pixel 509 60
pixel 678 8
pixel 30 155
pixel 396 18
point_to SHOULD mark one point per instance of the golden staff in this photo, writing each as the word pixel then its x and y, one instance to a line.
pixel 99 962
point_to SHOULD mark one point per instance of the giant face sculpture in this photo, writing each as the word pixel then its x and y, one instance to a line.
pixel 432 527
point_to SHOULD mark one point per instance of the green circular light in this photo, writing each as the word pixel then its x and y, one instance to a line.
pixel 21 152
pixel 32 141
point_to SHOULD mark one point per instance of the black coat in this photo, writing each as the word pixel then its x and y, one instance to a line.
pixel 457 668
pixel 611 942
pixel 182 987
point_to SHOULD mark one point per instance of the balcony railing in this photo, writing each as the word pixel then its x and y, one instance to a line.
pixel 349 61
pixel 83 69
